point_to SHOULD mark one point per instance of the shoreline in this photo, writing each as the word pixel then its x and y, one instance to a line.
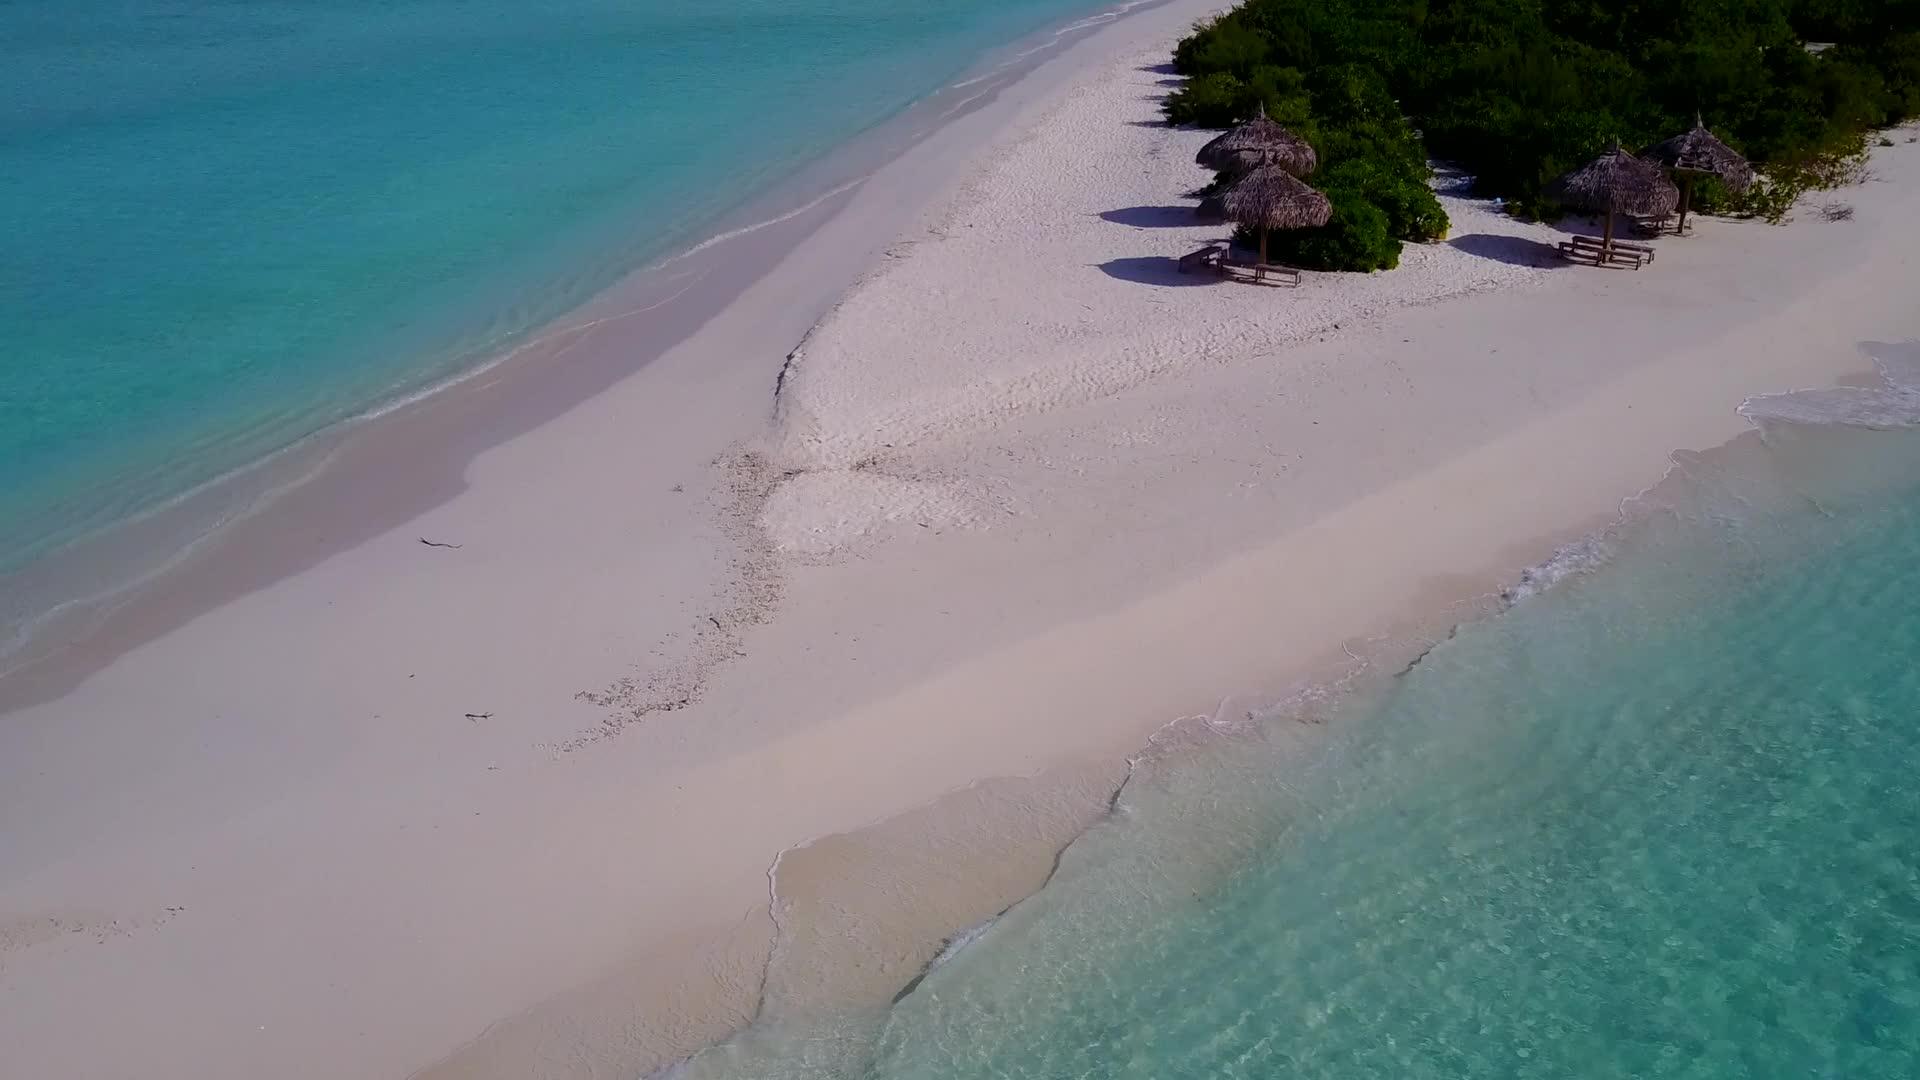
pixel 366 783
pixel 248 751
pixel 1676 376
pixel 67 604
pixel 1386 626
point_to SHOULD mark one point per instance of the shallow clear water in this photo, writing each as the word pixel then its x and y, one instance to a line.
pixel 1661 819
pixel 230 224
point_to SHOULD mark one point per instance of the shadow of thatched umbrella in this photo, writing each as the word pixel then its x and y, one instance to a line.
pixel 1270 197
pixel 1697 152
pixel 1257 142
pixel 1616 182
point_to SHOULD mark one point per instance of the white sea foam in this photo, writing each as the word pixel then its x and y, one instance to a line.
pixel 1895 402
pixel 1053 40
pixel 756 226
pixel 1583 556
pixel 960 941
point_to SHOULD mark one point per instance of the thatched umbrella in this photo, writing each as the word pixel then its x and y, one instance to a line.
pixel 1270 197
pixel 1617 182
pixel 1259 141
pixel 1698 152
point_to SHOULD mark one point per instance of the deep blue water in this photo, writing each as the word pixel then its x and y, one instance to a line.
pixel 231 224
pixel 1659 819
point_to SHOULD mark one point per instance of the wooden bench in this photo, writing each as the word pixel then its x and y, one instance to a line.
pixel 1594 243
pixel 1256 272
pixel 1596 257
pixel 1593 255
pixel 1619 253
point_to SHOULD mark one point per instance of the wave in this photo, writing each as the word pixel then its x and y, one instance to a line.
pixel 960 941
pixel 756 226
pixel 1053 40
pixel 1580 557
pixel 1210 799
pixel 1894 401
pixel 1505 815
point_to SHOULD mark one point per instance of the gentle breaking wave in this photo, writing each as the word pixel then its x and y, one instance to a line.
pixel 1656 820
pixel 1894 401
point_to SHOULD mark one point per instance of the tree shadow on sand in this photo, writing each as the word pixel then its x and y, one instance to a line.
pixel 1154 217
pixel 1154 270
pixel 1512 250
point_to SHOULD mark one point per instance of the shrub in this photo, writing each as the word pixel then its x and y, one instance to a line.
pixel 1769 199
pixel 1357 237
pixel 1223 45
pixel 1518 91
pixel 1774 193
pixel 1282 91
pixel 1372 165
pixel 1412 210
pixel 1401 193
pixel 1211 100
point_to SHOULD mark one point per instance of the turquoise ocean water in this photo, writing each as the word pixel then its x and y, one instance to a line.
pixel 229 225
pixel 1660 819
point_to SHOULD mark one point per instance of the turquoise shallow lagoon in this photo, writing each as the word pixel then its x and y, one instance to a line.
pixel 230 225
pixel 1659 818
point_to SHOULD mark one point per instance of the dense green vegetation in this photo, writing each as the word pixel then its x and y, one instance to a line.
pixel 1372 165
pixel 1519 91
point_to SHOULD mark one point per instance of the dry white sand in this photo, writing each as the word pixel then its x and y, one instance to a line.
pixel 1048 497
pixel 1049 281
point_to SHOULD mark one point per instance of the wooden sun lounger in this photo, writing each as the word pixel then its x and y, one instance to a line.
pixel 1220 259
pixel 1206 257
pixel 1257 272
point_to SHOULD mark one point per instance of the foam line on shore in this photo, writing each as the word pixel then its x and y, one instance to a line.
pixel 1182 746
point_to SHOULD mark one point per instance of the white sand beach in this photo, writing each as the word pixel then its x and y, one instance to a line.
pixel 514 807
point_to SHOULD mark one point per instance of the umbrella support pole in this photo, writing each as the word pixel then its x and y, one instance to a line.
pixel 1686 201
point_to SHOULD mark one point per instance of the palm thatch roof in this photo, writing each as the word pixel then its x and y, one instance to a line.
pixel 1259 141
pixel 1270 197
pixel 1699 151
pixel 1617 182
